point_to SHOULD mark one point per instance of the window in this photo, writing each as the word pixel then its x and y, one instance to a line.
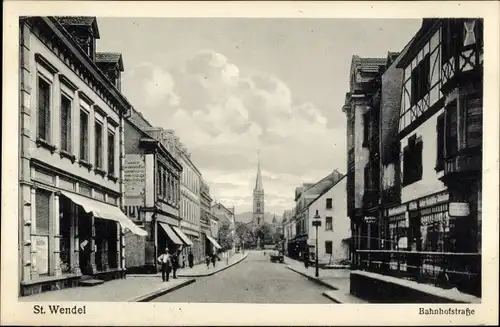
pixel 440 143
pixel 111 153
pixel 471 122
pixel 42 228
pixel 98 145
pixel 452 35
pixel 84 133
pixel 329 203
pixel 328 247
pixel 412 161
pixel 328 223
pixel 65 124
pixel 420 80
pixel 43 109
pixel 158 181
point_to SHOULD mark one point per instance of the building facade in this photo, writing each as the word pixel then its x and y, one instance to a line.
pixel 335 230
pixel 362 110
pixel 440 133
pixel 430 162
pixel 152 195
pixel 224 215
pixel 71 149
pixel 209 244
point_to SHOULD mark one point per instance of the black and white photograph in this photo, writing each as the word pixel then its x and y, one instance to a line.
pixel 275 160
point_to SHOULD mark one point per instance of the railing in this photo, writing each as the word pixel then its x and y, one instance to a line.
pixel 443 269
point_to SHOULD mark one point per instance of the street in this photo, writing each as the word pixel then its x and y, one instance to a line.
pixel 254 280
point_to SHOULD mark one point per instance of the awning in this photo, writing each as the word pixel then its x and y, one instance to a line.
pixel 105 211
pixel 183 236
pixel 213 241
pixel 170 233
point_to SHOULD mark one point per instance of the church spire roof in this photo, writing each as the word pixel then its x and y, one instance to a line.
pixel 258 180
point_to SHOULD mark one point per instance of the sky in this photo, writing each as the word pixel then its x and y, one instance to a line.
pixel 231 87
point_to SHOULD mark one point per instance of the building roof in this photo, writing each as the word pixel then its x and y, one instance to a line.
pixel 326 190
pixel 371 65
pixel 80 21
pixel 110 57
pixel 258 179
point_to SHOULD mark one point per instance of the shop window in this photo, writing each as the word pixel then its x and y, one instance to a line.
pixel 328 247
pixel 420 80
pixel 42 227
pixel 65 124
pixel 329 223
pixel 329 203
pixel 412 161
pixel 440 143
pixel 98 145
pixel 111 152
pixel 84 134
pixel 65 217
pixel 44 108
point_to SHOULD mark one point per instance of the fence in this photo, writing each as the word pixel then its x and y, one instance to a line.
pixel 443 269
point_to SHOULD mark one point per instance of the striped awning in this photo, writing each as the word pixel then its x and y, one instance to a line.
pixel 182 236
pixel 170 233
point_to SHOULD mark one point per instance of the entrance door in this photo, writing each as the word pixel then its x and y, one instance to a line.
pixel 414 244
pixel 84 243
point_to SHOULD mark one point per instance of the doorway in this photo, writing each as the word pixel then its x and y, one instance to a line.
pixel 85 240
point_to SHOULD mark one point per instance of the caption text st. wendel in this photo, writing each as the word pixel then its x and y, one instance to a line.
pixel 60 310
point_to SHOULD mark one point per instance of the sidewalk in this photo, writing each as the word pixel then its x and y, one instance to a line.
pixel 201 270
pixel 131 289
pixel 338 280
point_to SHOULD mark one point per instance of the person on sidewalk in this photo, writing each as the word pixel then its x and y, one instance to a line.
pixel 214 259
pixel 306 259
pixel 191 259
pixel 166 265
pixel 207 261
pixel 175 264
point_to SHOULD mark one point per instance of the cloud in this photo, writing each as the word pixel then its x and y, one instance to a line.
pixel 223 115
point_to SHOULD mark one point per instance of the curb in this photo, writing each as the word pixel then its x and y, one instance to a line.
pixel 314 279
pixel 214 272
pixel 150 296
pixel 331 297
pixel 342 298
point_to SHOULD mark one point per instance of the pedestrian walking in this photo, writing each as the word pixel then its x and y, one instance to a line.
pixel 306 259
pixel 190 259
pixel 166 265
pixel 207 261
pixel 214 259
pixel 175 264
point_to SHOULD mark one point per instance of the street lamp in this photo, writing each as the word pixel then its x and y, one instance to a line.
pixel 316 223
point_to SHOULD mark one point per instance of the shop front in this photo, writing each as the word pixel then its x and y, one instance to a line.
pixel 212 245
pixel 74 236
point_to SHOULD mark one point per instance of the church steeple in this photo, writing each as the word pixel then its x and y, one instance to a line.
pixel 258 197
pixel 258 180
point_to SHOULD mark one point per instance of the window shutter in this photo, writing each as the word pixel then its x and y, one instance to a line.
pixel 65 124
pixel 474 121
pixel 419 146
pixel 84 123
pixel 43 109
pixel 42 210
pixel 440 143
pixel 111 153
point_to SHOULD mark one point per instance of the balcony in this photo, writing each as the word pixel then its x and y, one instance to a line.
pixel 467 163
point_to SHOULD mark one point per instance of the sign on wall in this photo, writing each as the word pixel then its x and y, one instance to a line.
pixel 135 175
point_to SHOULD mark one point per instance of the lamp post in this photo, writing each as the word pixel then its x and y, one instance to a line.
pixel 316 223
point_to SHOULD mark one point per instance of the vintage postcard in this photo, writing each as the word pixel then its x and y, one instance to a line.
pixel 250 163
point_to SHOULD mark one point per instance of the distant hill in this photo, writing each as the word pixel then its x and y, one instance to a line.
pixel 246 217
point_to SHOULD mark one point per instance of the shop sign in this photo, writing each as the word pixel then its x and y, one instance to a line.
pixel 369 220
pixel 412 205
pixel 134 212
pixel 458 209
pixel 134 169
pixel 396 210
pixel 434 199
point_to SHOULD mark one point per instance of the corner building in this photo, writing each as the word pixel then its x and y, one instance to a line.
pixel 71 151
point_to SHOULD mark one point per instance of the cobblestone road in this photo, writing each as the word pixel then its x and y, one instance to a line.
pixel 256 280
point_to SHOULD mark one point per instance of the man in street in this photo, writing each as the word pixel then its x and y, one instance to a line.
pixel 166 264
pixel 306 259
pixel 175 263
pixel 190 259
